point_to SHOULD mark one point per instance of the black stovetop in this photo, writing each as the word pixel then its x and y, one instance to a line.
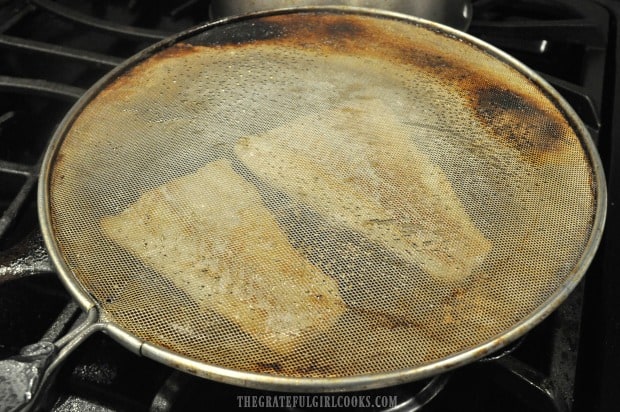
pixel 51 51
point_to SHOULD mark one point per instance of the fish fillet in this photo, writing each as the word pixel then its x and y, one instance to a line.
pixel 209 233
pixel 357 166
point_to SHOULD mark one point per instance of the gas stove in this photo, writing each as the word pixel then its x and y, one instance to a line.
pixel 52 51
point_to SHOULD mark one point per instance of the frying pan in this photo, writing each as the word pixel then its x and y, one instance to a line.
pixel 319 199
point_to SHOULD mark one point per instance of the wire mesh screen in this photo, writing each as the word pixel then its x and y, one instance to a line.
pixel 321 194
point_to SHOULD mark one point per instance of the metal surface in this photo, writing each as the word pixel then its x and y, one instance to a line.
pixel 20 376
pixel 453 13
pixel 527 135
pixel 77 17
pixel 43 87
pixel 27 258
pixel 23 376
pixel 55 50
pixel 424 396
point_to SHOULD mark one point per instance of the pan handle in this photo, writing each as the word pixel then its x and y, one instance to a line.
pixel 28 257
pixel 22 376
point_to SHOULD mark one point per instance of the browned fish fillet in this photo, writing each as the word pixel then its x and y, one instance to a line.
pixel 358 167
pixel 209 233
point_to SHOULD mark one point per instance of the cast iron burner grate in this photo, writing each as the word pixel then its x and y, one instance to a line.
pixel 52 51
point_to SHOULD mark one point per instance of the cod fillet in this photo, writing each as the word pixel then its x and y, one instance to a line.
pixel 358 167
pixel 210 234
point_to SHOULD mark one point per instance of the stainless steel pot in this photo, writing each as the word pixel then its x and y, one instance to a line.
pixel 454 13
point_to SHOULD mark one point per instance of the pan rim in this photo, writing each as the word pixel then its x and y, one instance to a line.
pixel 354 382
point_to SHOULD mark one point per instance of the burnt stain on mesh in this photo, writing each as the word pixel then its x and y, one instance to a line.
pixel 268 367
pixel 320 28
pixel 282 28
pixel 59 164
pixel 518 122
pixel 314 369
pixel 328 32
pixel 176 50
pixel 353 35
pixel 436 64
pixel 344 29
pixel 240 33
pixel 136 72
